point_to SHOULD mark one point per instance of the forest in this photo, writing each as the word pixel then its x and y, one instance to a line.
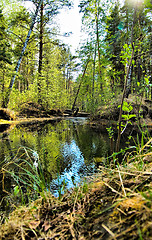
pixel 116 33
pixel 108 78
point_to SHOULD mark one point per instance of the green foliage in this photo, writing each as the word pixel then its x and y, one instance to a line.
pixel 110 132
pixel 126 54
pixel 16 190
pixel 108 47
pixel 5 56
pixel 27 174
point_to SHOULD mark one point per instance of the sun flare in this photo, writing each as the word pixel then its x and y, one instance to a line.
pixel 135 3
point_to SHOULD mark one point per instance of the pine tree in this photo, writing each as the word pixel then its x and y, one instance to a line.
pixel 113 40
pixel 49 8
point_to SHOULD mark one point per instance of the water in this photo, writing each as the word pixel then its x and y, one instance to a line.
pixel 67 150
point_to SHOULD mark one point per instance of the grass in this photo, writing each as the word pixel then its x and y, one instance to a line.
pixel 116 203
pixel 25 173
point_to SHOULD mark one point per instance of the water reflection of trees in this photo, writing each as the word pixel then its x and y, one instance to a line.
pixel 91 143
pixel 49 142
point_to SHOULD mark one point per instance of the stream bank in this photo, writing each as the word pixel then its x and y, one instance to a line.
pixel 32 113
pixel 136 110
pixel 114 204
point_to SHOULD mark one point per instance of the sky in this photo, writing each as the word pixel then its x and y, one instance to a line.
pixel 69 20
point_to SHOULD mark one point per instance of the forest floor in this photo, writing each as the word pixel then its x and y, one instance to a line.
pixel 116 203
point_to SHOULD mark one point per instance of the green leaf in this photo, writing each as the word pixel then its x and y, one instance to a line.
pixel 125 109
pixel 132 116
pixel 125 117
pixel 130 108
pixel 16 190
pixel 147 80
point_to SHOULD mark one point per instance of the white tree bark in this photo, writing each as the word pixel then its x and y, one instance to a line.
pixel 22 53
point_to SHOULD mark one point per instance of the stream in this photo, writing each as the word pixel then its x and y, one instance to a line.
pixel 67 150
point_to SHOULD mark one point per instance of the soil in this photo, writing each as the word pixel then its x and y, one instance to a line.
pixel 30 109
pixel 109 115
pixel 7 114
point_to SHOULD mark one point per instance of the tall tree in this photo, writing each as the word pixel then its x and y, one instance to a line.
pixel 5 54
pixel 93 17
pixel 22 53
pixel 113 40
pixel 4 45
pixel 49 8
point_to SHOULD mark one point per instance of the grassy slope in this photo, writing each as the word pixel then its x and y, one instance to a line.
pixel 114 204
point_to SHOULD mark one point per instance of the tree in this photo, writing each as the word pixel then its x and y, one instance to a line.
pixel 93 21
pixel 22 53
pixel 114 44
pixel 5 54
pixel 49 8
pixel 93 16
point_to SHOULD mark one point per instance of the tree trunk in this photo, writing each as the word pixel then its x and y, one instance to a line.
pixel 21 56
pixel 73 107
pixel 40 53
pixel 3 86
pixel 125 87
pixel 97 39
pixel 93 78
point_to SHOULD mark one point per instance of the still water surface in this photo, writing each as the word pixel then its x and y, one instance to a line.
pixel 67 150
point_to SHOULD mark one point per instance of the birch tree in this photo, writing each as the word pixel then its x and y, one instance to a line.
pixel 21 56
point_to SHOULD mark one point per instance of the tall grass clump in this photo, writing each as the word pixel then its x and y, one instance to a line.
pixel 25 175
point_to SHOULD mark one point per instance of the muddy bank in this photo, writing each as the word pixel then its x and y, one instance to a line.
pixel 31 109
pixel 137 112
pixel 34 110
pixel 33 114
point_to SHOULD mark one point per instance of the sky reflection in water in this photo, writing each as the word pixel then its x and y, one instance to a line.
pixel 76 167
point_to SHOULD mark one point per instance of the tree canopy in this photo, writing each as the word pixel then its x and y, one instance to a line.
pixel 46 73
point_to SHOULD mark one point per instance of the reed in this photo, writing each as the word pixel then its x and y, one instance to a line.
pixel 25 173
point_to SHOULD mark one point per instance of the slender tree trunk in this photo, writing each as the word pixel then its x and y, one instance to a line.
pixel 93 78
pixel 40 53
pixel 139 67
pixel 3 86
pixel 73 106
pixel 21 56
pixel 97 39
pixel 125 87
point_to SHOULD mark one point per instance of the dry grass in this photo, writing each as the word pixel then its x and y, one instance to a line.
pixel 114 204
